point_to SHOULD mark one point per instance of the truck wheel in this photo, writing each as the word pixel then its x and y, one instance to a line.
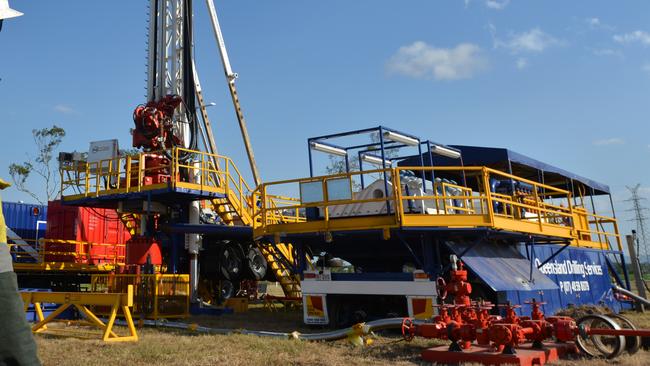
pixel 256 263
pixel 340 314
pixel 230 262
pixel 226 290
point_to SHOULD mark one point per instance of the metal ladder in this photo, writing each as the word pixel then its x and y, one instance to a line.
pixel 276 255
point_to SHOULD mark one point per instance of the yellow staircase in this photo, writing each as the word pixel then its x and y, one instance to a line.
pixel 289 281
pixel 234 210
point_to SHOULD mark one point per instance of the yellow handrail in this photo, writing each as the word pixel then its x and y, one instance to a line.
pixel 527 206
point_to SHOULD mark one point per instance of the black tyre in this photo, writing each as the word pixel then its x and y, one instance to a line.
pixel 231 262
pixel 226 290
pixel 256 264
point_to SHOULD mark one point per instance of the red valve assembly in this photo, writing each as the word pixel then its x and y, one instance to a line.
pixel 478 336
pixel 154 128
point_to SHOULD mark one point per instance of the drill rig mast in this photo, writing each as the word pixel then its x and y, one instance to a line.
pixel 169 116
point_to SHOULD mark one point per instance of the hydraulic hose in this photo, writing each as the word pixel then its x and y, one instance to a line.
pixel 360 329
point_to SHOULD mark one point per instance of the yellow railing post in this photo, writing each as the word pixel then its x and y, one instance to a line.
pixel 174 166
pixel 488 194
pixel 597 223
pixel 155 295
pixel 227 177
pixel 128 173
pixel 110 171
pixel 202 171
pixel 326 213
pixel 618 236
pixel 141 166
pixel 241 196
pixel 263 206
pixel 397 189
pixel 539 209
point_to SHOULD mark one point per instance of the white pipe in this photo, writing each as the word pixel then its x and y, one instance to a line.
pixel 328 149
pixel 401 138
pixel 375 160
pixel 444 151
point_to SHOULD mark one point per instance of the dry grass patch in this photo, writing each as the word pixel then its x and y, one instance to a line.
pixel 165 347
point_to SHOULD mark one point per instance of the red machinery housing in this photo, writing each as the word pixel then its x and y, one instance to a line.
pixel 154 128
pixel 84 235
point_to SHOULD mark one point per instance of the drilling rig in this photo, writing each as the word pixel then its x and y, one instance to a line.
pixel 188 209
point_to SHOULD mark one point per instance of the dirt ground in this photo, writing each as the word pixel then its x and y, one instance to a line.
pixel 174 347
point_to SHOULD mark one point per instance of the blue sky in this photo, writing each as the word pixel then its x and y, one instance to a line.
pixel 564 82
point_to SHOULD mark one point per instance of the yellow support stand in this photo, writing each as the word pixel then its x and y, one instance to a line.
pixel 81 300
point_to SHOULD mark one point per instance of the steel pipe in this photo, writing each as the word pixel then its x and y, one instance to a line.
pixel 618 332
pixel 615 344
pixel 631 294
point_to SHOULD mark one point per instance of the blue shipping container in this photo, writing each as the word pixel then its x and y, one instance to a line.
pixel 26 223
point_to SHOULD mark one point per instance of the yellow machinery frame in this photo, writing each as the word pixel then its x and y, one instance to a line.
pixel 82 300
pixel 582 228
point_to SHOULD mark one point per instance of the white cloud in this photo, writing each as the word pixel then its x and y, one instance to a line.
pixel 594 22
pixel 606 52
pixel 534 40
pixel 639 36
pixel 493 33
pixel 422 61
pixel 497 4
pixel 609 141
pixel 65 109
pixel 646 68
pixel 522 63
pixel 467 3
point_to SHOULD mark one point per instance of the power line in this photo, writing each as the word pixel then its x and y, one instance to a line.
pixel 640 220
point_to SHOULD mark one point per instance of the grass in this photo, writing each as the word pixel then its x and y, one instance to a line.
pixel 181 348
pixel 165 347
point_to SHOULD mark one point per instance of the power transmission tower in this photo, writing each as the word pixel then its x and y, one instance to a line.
pixel 640 220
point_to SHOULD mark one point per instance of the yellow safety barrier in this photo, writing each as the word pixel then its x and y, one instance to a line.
pixel 127 174
pixel 211 174
pixel 81 301
pixel 156 296
pixel 65 255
